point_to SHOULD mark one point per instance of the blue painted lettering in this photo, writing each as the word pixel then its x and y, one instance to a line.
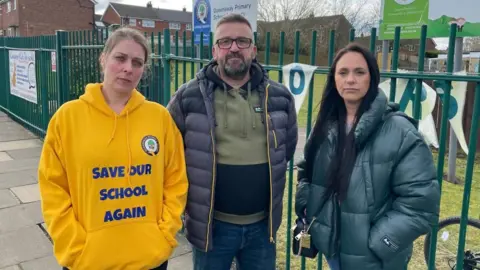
pixel 297 90
pixel 120 193
pixel 441 86
pixel 119 171
pixel 127 213
pixel 144 169
pixel 95 173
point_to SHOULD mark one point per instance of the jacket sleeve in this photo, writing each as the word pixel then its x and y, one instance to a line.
pixel 67 234
pixel 303 185
pixel 417 202
pixel 292 130
pixel 175 185
pixel 175 109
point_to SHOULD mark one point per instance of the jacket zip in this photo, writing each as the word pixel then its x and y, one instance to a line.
pixel 269 164
pixel 213 189
pixel 275 139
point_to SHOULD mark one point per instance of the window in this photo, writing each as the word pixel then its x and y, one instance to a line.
pixel 148 24
pixel 132 22
pixel 174 26
pixel 14 4
pixel 9 6
pixel 189 27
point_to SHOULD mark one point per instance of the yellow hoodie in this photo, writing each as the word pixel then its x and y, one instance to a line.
pixel 113 186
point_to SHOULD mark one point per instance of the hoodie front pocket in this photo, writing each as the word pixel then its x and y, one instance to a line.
pixel 140 245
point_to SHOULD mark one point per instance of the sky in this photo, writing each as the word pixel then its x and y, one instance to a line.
pixel 442 43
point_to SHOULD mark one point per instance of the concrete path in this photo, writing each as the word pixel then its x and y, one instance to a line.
pixel 24 243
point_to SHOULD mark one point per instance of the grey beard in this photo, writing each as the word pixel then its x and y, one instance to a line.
pixel 238 73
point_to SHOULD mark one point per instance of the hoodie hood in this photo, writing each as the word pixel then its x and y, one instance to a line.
pixel 93 96
pixel 258 76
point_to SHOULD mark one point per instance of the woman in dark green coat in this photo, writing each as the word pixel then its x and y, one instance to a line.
pixel 367 184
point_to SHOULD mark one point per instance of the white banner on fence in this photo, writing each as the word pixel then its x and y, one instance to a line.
pixel 297 78
pixel 23 81
pixel 404 95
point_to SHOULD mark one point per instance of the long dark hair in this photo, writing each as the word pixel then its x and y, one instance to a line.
pixel 333 110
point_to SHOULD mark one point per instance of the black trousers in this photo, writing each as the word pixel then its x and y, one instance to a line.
pixel 161 267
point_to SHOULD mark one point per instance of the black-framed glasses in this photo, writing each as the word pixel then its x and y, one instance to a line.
pixel 242 42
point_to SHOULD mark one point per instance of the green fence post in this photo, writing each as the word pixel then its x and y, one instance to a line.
pixel 331 48
pixel 313 52
pixel 166 66
pixel 184 67
pixel 61 40
pixel 421 60
pixel 4 69
pixel 176 61
pixel 373 39
pixel 393 80
pixel 351 37
pixel 443 137
pixel 472 147
pixel 43 84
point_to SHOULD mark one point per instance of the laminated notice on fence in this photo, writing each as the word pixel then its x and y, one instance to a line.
pixel 23 80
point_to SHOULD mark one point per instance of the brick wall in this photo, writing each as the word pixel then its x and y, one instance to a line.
pixel 8 19
pixel 36 19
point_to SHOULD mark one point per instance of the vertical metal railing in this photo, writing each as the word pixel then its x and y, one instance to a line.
pixel 77 55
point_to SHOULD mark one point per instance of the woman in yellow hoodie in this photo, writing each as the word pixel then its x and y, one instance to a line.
pixel 112 173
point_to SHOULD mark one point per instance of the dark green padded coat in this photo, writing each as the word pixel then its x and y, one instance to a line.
pixel 393 196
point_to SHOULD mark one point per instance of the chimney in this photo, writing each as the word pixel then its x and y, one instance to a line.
pixel 149 4
pixel 184 9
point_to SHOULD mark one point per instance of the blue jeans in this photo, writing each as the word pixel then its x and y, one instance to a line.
pixel 249 244
pixel 334 263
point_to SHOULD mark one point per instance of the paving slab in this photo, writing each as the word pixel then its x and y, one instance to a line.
pixel 4 156
pixel 18 178
pixel 8 145
pixel 183 246
pixel 45 263
pixel 10 130
pixel 22 245
pixel 18 165
pixel 13 267
pixel 2 114
pixel 7 199
pixel 183 262
pixel 25 153
pixel 28 193
pixel 20 216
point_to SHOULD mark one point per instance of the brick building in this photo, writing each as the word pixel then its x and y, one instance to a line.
pixel 148 18
pixel 34 18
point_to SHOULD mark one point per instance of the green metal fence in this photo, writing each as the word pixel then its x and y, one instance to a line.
pixel 77 55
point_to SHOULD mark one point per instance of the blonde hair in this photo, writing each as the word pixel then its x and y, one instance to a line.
pixel 127 33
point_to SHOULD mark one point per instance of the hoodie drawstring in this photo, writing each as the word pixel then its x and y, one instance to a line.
pixel 128 145
pixel 113 131
pixel 252 114
pixel 225 105
pixel 129 153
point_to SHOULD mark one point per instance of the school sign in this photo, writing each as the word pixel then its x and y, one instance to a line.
pixel 438 15
pixel 206 14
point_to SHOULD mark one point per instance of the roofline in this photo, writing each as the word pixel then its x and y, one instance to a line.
pixel 131 17
pixel 105 11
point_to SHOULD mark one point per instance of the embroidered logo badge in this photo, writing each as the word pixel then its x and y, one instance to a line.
pixel 150 145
